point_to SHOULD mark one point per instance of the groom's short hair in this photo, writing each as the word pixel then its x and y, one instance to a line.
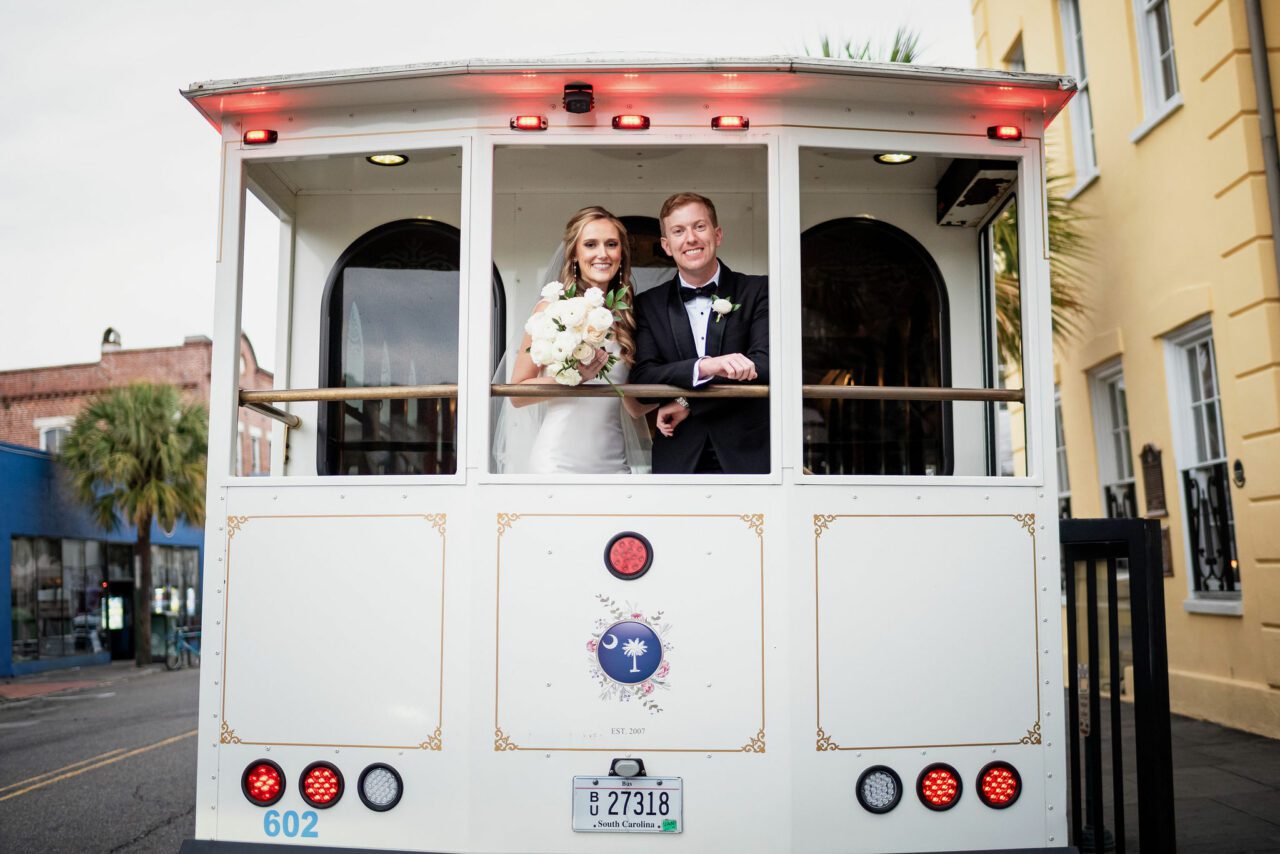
pixel 679 200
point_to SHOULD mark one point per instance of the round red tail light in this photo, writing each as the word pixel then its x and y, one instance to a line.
pixel 321 785
pixel 263 782
pixel 999 785
pixel 938 786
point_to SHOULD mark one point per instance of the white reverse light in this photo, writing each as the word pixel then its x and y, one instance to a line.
pixel 879 789
pixel 380 787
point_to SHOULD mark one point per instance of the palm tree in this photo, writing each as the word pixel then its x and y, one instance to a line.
pixel 634 648
pixel 137 454
pixel 1068 248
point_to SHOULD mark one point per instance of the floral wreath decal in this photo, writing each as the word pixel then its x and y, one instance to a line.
pixel 641 692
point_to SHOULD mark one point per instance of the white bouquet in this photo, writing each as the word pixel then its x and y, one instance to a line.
pixel 568 332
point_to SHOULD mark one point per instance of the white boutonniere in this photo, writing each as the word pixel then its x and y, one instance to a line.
pixel 724 306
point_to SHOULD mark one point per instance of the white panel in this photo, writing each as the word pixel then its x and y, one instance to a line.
pixel 922 675
pixel 703 597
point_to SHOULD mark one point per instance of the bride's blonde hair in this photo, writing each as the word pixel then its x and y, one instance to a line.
pixel 624 328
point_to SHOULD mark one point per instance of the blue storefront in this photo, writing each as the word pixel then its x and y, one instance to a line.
pixel 67 586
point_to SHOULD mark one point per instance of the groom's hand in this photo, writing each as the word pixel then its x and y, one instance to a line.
pixel 731 366
pixel 669 417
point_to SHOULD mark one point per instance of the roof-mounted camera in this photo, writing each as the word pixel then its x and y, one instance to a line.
pixel 578 98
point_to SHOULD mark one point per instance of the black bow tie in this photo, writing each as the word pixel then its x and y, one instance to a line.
pixel 708 290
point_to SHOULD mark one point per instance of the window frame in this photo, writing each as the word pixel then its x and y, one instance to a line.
pixel 59 425
pixel 482 195
pixel 1083 138
pixel 1104 382
pixel 1146 26
pixel 1034 369
pixel 330 335
pixel 1183 422
pixel 1060 454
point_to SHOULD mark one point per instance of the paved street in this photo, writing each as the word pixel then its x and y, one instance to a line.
pixel 101 766
pixel 103 760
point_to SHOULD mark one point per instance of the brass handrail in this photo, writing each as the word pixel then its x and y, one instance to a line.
pixel 820 392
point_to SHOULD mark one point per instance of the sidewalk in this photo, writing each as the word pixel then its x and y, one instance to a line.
pixel 1226 789
pixel 14 688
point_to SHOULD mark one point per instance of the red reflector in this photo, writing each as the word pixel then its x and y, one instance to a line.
pixel 529 123
pixel 263 782
pixel 628 555
pixel 938 786
pixel 731 123
pixel 999 785
pixel 630 122
pixel 260 137
pixel 321 784
pixel 1007 132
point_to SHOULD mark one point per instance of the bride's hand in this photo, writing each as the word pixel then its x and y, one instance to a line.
pixel 590 370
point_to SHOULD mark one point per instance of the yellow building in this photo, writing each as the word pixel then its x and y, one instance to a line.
pixel 1180 354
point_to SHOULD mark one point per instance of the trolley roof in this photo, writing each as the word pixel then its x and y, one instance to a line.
pixel 652 74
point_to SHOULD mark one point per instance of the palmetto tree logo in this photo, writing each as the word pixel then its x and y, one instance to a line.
pixel 633 649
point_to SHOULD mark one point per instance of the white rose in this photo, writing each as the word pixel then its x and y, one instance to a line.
pixel 573 311
pixel 540 353
pixel 594 335
pixel 569 376
pixel 552 290
pixel 540 326
pixel 594 298
pixel 721 306
pixel 600 318
pixel 584 352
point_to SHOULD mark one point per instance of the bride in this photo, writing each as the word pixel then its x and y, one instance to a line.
pixel 584 435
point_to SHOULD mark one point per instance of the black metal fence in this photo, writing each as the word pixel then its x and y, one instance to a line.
pixel 1092 550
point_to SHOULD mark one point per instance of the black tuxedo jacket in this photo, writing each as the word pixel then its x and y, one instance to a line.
pixel 738 430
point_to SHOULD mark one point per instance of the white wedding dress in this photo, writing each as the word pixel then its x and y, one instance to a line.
pixel 582 435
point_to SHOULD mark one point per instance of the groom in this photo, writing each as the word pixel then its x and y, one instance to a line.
pixel 682 340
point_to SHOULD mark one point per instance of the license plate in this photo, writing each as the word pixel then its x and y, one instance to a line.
pixel 628 804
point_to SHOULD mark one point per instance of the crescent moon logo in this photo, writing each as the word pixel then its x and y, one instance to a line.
pixel 604 642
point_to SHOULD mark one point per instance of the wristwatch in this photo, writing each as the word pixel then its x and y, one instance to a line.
pixel 683 402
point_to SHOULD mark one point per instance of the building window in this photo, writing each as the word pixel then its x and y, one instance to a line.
pixel 391 319
pixel 1060 447
pixel 1111 433
pixel 1201 454
pixel 255 450
pixel 1155 50
pixel 874 312
pixel 1081 108
pixel 1015 59
pixel 53 431
pixel 240 449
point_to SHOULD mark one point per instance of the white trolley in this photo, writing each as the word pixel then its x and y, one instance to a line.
pixel 858 651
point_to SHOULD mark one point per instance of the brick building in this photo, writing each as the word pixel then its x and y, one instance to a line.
pixel 37 405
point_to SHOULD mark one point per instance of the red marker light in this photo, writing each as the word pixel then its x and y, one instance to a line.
pixel 730 123
pixel 260 137
pixel 1010 133
pixel 630 122
pixel 263 783
pixel 999 785
pixel 938 786
pixel 321 785
pixel 529 123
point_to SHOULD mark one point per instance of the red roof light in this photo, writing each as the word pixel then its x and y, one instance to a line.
pixel 529 123
pixel 1010 133
pixel 260 137
pixel 630 122
pixel 730 123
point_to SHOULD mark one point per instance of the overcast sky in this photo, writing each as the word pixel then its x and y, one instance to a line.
pixel 108 178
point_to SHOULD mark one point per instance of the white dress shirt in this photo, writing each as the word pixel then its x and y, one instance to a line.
pixel 699 311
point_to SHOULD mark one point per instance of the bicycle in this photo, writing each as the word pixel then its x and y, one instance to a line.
pixel 182 649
